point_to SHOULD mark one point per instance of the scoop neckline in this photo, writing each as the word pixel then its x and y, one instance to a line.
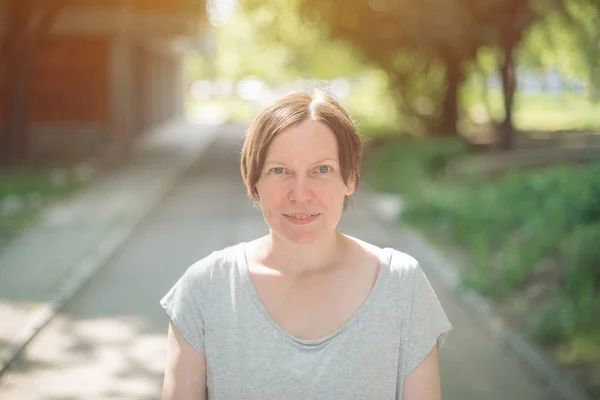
pixel 248 284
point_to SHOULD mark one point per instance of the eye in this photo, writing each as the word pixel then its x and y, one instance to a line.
pixel 323 169
pixel 278 170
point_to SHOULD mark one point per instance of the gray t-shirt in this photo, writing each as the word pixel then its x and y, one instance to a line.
pixel 215 306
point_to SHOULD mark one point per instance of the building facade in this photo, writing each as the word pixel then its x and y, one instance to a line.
pixel 106 73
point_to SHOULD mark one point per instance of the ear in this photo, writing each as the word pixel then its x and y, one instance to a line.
pixel 350 188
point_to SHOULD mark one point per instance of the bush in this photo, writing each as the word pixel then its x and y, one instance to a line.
pixel 512 224
pixel 408 165
pixel 575 306
pixel 580 254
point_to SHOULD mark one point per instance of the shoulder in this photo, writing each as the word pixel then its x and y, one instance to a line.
pixel 402 263
pixel 399 263
pixel 213 265
pixel 403 270
pixel 402 267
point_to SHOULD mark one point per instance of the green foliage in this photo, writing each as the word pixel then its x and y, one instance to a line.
pixel 422 45
pixel 559 319
pixel 580 254
pixel 566 38
pixel 517 221
pixel 33 180
pixel 272 41
pixel 408 165
pixel 382 29
pixel 582 348
pixel 370 104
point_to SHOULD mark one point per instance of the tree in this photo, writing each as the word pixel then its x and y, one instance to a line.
pixel 423 46
pixel 415 43
pixel 510 19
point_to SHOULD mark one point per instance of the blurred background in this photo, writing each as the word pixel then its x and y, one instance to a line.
pixel 481 121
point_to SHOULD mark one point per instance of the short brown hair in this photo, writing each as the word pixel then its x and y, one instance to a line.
pixel 293 109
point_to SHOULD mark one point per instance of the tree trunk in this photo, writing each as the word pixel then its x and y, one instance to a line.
pixel 506 130
pixel 27 23
pixel 449 118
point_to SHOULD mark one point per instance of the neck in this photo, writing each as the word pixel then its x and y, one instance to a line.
pixel 300 259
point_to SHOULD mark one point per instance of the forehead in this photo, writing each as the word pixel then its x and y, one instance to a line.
pixel 308 139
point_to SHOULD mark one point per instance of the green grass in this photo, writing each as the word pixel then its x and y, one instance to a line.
pixel 581 348
pixel 33 189
pixel 31 180
pixel 544 112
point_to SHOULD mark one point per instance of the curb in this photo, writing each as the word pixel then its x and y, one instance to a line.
pixel 524 348
pixel 116 238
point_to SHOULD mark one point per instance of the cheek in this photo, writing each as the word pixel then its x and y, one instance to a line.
pixel 271 192
pixel 331 191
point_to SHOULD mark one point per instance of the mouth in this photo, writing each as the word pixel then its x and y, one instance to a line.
pixel 301 218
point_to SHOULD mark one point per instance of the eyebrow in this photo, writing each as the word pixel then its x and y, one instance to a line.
pixel 317 162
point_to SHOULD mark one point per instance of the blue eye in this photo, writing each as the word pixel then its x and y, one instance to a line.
pixel 277 170
pixel 324 169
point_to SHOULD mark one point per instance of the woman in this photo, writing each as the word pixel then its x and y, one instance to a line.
pixel 304 312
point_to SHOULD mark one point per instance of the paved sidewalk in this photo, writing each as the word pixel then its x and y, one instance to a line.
pixel 48 263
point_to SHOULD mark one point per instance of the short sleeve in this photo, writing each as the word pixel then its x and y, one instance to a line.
pixel 183 304
pixel 428 324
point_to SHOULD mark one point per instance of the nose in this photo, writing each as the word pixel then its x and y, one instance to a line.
pixel 301 190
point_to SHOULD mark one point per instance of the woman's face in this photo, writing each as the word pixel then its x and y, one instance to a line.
pixel 301 188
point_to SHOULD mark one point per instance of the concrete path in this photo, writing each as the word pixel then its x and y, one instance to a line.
pixel 108 342
pixel 45 265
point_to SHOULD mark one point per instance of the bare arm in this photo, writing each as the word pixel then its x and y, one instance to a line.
pixel 185 374
pixel 423 383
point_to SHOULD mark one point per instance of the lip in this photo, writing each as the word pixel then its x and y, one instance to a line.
pixel 305 221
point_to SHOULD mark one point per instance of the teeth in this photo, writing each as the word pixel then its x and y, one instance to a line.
pixel 302 217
